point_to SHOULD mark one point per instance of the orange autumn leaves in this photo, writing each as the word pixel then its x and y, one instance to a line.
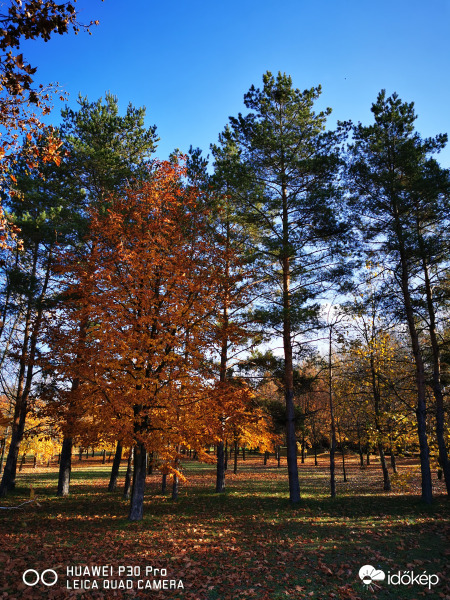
pixel 147 288
pixel 22 102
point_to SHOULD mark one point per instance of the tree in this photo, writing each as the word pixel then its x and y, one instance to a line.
pixel 331 325
pixel 42 206
pixel 430 192
pixel 104 153
pixel 233 332
pixel 239 419
pixel 34 19
pixel 148 298
pixel 281 168
pixel 5 425
pixel 376 356
pixel 401 194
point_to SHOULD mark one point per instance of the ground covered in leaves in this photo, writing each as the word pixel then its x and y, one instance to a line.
pixel 246 543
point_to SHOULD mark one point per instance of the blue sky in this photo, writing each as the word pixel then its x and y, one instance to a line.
pixel 190 63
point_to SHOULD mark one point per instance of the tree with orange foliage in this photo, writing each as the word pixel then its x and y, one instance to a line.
pixel 238 420
pixel 148 300
pixel 232 410
pixel 231 401
pixel 104 152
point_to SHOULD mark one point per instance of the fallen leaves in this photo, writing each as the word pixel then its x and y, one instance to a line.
pixel 248 543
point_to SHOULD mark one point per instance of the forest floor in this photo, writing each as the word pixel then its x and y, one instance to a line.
pixel 248 543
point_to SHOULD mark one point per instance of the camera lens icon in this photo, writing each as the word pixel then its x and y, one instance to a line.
pixel 31 577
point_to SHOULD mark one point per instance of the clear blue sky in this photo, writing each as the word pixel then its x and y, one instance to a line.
pixel 190 62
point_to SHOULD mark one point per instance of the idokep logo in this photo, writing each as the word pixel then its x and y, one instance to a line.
pixel 369 575
pixel 32 577
pixel 410 578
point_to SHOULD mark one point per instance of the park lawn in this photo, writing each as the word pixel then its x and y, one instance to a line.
pixel 247 543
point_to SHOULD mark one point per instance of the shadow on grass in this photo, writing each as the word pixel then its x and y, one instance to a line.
pixel 249 538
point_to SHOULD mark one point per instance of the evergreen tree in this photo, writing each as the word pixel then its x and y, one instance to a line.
pixel 42 206
pixel 281 169
pixel 400 195
pixel 105 150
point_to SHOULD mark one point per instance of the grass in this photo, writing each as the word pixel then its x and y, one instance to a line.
pixel 246 543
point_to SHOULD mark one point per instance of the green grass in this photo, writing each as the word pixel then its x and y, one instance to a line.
pixel 246 543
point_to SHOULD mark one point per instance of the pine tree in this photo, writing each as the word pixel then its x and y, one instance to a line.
pixel 43 207
pixel 281 167
pixel 400 195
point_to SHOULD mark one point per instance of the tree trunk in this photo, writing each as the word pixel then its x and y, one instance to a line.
pixel 115 468
pixel 9 474
pixel 164 483
pixel 236 453
pixel 18 426
pixel 175 484
pixel 22 462
pixel 138 488
pixel 175 487
pixel 386 478
pixel 65 467
pixel 25 376
pixel 291 448
pixel 225 466
pixel 128 475
pixel 393 461
pixel 333 425
pixel 150 464
pixel 437 387
pixel 421 409
pixel 2 456
pixel 220 473
pixel 291 440
pixel 343 463
pixel 377 406
pixel 104 457
pixel 243 452
pixel 360 450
